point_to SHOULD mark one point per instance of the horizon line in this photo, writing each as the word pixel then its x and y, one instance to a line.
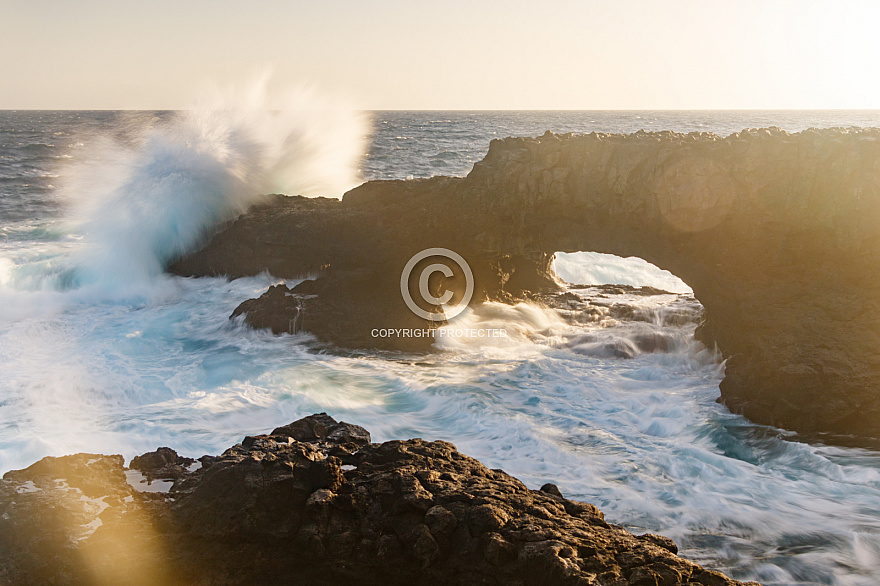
pixel 877 109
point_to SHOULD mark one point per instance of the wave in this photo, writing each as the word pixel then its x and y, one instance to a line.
pixel 156 188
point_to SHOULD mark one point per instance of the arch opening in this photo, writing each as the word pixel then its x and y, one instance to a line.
pixel 597 268
pixel 627 307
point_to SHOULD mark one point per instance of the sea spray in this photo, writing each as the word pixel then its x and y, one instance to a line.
pixel 640 437
pixel 152 192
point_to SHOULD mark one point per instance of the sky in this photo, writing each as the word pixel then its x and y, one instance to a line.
pixel 389 54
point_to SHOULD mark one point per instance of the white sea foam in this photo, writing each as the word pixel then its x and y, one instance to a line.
pixel 155 188
pixel 640 437
pixel 83 370
pixel 596 268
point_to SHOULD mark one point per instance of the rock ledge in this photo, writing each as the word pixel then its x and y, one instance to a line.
pixel 314 502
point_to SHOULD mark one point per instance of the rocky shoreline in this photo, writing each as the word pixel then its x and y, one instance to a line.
pixel 774 232
pixel 314 502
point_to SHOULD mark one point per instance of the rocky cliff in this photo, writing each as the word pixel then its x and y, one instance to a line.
pixel 314 502
pixel 776 233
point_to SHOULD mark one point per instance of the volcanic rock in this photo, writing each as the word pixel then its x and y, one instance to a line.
pixel 315 503
pixel 776 233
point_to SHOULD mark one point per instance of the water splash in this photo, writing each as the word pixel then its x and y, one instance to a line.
pixel 160 184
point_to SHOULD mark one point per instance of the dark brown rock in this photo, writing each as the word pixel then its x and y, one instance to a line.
pixel 284 511
pixel 550 488
pixel 277 309
pixel 323 427
pixel 660 541
pixel 775 232
pixel 163 464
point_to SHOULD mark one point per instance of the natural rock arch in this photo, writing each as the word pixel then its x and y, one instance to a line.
pixel 776 233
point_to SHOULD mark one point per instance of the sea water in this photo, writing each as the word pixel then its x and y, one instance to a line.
pixel 609 397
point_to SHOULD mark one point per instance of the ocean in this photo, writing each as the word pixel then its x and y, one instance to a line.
pixel 100 352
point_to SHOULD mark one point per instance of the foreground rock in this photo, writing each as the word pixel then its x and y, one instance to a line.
pixel 776 233
pixel 315 503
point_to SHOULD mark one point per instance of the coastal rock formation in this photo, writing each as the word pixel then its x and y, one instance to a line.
pixel 314 502
pixel 776 233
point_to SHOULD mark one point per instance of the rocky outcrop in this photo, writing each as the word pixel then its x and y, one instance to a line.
pixel 314 502
pixel 776 233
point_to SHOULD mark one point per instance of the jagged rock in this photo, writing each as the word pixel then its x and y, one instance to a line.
pixel 660 541
pixel 320 510
pixel 163 464
pixel 276 309
pixel 551 488
pixel 775 232
pixel 91 474
pixel 75 520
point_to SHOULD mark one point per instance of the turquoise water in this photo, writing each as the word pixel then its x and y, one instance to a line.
pixel 100 354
